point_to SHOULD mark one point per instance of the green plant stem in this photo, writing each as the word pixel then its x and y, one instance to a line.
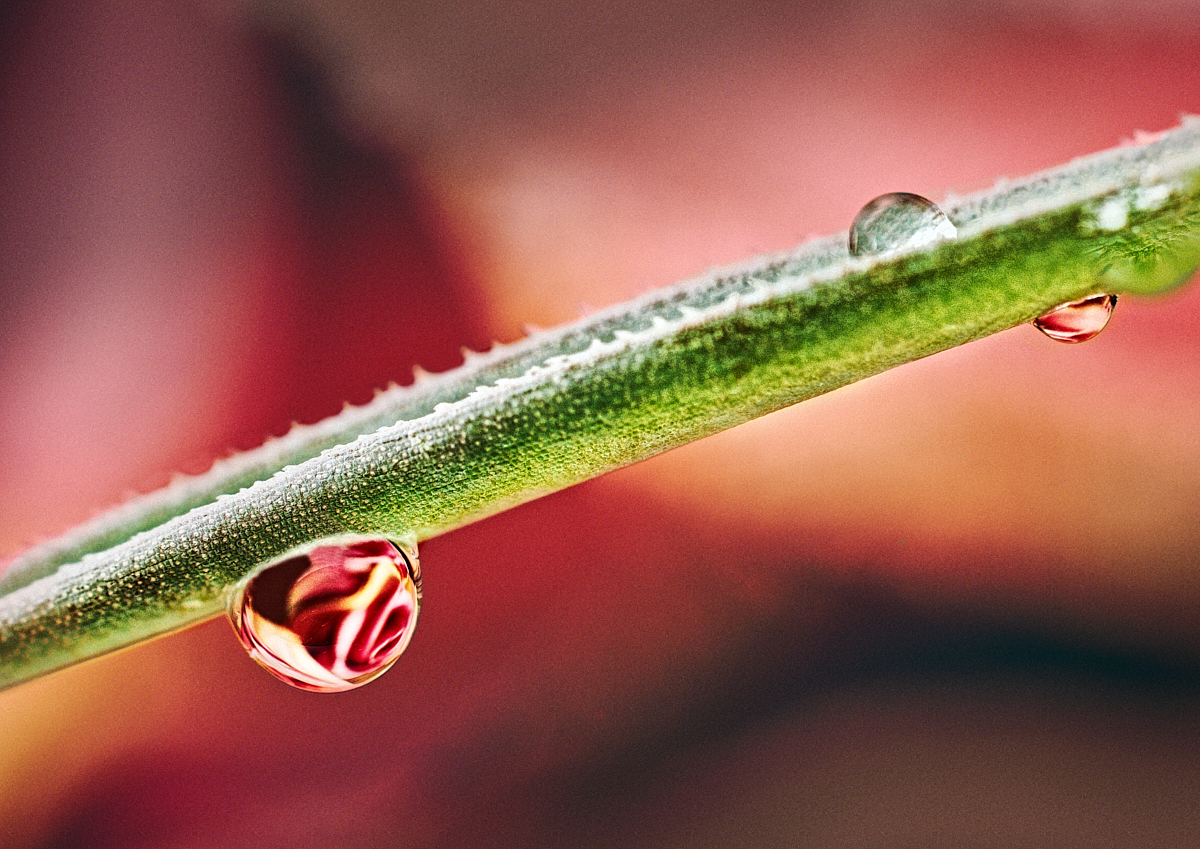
pixel 565 405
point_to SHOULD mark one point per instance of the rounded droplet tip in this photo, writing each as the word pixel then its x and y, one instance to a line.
pixel 898 221
pixel 1077 321
pixel 333 616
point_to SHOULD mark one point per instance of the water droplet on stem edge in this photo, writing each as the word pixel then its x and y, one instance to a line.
pixel 332 617
pixel 898 221
pixel 1077 321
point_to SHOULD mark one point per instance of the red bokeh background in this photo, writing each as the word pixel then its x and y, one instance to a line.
pixel 953 605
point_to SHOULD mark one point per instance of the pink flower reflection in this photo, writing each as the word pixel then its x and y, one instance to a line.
pixel 333 618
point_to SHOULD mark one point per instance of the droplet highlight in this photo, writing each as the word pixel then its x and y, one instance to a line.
pixel 898 221
pixel 333 617
pixel 1078 321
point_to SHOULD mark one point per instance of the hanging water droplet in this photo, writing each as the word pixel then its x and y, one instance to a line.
pixel 898 221
pixel 1078 321
pixel 333 617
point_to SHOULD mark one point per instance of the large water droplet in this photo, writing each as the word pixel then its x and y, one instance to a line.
pixel 898 221
pixel 333 617
pixel 1078 321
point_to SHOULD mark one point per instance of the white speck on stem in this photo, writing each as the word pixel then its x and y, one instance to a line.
pixel 1113 215
pixel 1150 197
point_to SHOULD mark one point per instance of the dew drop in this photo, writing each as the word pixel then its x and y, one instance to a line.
pixel 898 221
pixel 1078 321
pixel 332 617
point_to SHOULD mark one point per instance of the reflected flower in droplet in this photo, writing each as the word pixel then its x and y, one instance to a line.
pixel 332 617
pixel 1077 321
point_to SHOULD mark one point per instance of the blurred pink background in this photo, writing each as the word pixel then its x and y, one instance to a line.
pixel 954 605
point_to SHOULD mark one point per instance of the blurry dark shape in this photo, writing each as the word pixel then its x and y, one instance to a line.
pixel 382 282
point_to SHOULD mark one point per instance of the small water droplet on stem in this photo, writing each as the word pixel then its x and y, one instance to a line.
pixel 332 617
pixel 898 221
pixel 1077 321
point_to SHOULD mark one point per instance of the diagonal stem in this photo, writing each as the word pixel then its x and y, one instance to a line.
pixel 565 405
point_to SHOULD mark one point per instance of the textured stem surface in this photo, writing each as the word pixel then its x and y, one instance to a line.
pixel 565 405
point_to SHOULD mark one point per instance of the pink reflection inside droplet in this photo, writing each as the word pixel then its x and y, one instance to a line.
pixel 331 618
pixel 1078 321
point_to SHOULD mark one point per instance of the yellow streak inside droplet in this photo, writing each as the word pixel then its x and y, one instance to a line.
pixel 382 570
